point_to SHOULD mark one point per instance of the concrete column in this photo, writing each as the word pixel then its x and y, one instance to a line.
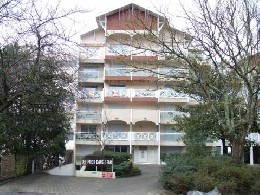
pixel 159 144
pixel 131 126
pixel 251 155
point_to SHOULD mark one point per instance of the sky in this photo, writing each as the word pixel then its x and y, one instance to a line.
pixel 87 21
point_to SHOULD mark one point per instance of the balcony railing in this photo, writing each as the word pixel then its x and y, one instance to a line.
pixel 118 72
pixel 254 137
pixel 88 115
pixel 172 72
pixel 167 93
pixel 90 75
pixel 84 95
pixel 168 116
pixel 92 53
pixel 117 136
pixel 85 136
pixel 145 73
pixel 134 136
pixel 141 93
pixel 171 136
pixel 145 136
pixel 117 93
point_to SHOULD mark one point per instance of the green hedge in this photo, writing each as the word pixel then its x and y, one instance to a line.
pixel 118 157
pixel 183 173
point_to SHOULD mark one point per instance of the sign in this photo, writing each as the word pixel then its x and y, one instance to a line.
pixel 97 161
pixel 107 175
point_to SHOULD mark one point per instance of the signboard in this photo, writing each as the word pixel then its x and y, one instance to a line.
pixel 108 175
pixel 97 161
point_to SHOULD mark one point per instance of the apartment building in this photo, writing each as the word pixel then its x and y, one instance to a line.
pixel 124 103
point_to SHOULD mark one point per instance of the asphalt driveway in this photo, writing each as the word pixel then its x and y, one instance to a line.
pixel 43 184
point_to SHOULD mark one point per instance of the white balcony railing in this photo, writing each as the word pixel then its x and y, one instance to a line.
pixel 168 116
pixel 140 93
pixel 85 136
pixel 117 93
pixel 118 72
pixel 171 137
pixel 168 93
pixel 254 137
pixel 88 115
pixel 84 95
pixel 135 136
pixel 145 136
pixel 117 136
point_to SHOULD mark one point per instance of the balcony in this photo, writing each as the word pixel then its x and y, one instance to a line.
pixel 118 74
pixel 88 117
pixel 145 138
pixel 92 54
pixel 121 51
pixel 168 95
pixel 169 139
pixel 145 115
pixel 137 138
pixel 117 95
pixel 144 95
pixel 86 138
pixel 167 117
pixel 117 115
pixel 172 73
pixel 129 74
pixel 90 96
pixel 254 137
pixel 91 76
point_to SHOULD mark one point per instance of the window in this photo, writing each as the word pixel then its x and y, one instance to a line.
pixel 91 129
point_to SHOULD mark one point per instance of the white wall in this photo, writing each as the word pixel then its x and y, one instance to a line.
pixel 64 170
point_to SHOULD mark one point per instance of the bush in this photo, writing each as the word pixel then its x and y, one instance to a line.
pixel 240 175
pixel 179 183
pixel 136 171
pixel 182 173
pixel 203 182
pixel 124 168
pixel 227 187
pixel 118 157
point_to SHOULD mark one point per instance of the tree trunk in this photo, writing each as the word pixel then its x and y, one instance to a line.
pixel 238 151
pixel 225 150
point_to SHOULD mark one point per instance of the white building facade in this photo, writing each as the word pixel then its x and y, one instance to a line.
pixel 123 97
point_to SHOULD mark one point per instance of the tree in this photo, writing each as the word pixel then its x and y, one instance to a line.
pixel 34 125
pixel 34 84
pixel 200 127
pixel 223 61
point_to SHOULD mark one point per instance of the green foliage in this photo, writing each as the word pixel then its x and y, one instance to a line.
pixel 33 121
pixel 21 165
pixel 163 156
pixel 199 127
pixel 123 165
pixel 124 168
pixel 181 183
pixel 183 172
pixel 118 157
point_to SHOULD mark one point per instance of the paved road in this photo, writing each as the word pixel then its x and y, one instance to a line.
pixel 42 184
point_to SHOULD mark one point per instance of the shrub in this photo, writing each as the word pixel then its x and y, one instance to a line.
pixel 118 157
pixel 240 175
pixel 136 170
pixel 203 182
pixel 255 189
pixel 182 173
pixel 163 156
pixel 124 168
pixel 227 187
pixel 178 183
